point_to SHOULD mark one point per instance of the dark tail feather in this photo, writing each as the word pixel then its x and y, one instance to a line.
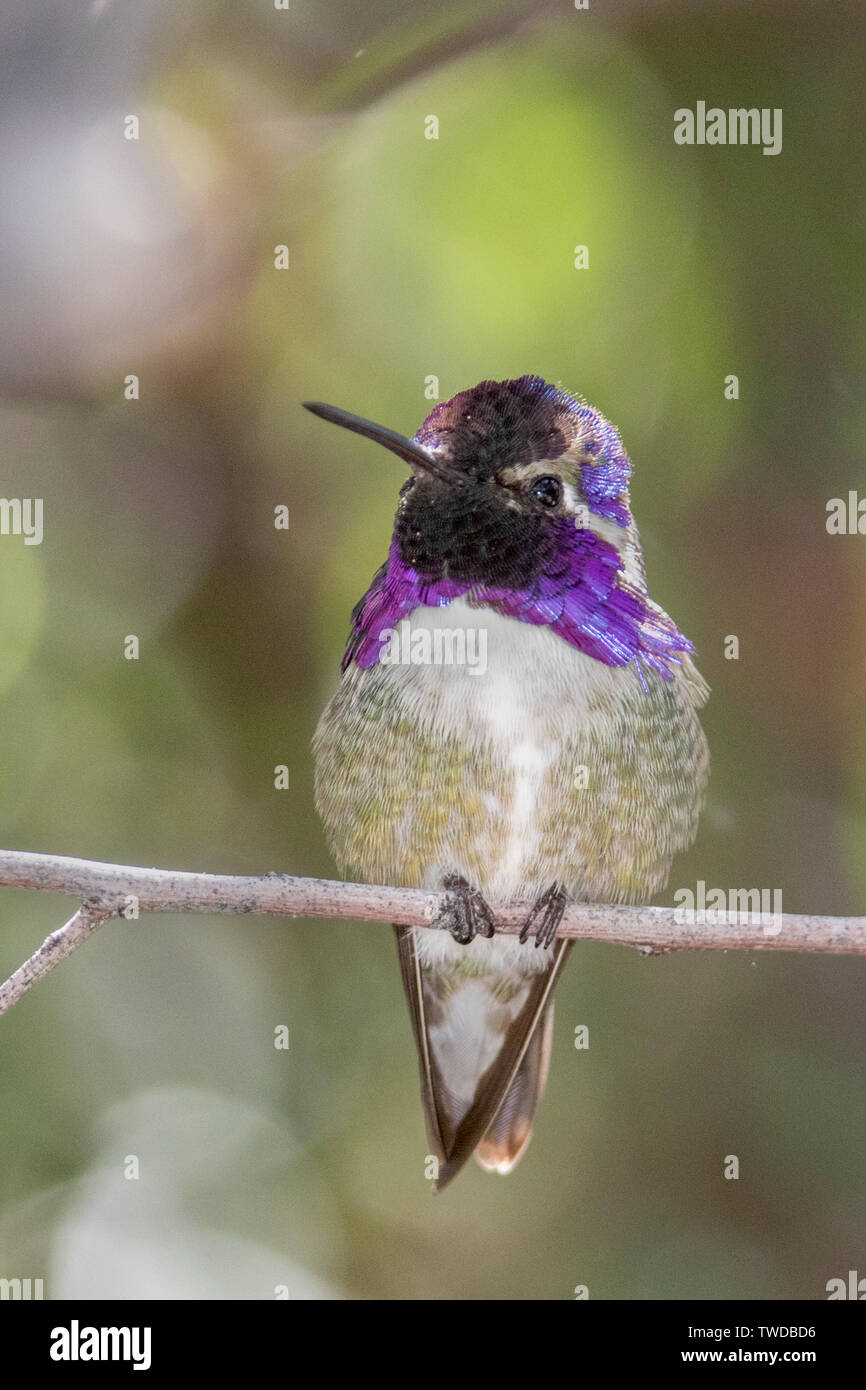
pixel 511 1129
pixel 463 1088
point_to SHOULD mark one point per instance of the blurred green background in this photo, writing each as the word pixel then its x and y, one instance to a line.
pixel 412 258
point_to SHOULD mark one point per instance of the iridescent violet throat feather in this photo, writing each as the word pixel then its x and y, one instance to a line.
pixel 516 721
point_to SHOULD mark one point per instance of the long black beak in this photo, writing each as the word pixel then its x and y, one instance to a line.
pixel 414 454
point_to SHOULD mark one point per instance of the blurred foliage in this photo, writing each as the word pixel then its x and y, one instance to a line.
pixel 410 258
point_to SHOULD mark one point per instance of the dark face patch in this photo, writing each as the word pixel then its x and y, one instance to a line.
pixel 473 533
pixel 476 530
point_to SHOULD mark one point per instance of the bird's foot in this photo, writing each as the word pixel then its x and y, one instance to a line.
pixel 466 915
pixel 549 908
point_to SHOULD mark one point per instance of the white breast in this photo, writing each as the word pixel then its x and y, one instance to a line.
pixel 522 689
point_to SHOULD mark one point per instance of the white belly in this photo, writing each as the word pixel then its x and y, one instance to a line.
pixel 523 694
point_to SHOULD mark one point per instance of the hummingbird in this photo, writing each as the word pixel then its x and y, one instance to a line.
pixel 568 765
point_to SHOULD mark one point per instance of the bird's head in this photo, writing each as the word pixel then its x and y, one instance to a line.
pixel 501 477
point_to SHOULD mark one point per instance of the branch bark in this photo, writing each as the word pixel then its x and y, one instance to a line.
pixel 119 890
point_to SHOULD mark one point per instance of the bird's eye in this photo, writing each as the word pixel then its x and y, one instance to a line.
pixel 547 491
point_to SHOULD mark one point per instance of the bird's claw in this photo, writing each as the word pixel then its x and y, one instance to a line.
pixel 467 915
pixel 550 907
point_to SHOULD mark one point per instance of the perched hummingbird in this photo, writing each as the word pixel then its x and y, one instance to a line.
pixel 569 765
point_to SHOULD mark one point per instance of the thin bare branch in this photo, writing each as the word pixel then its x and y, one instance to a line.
pixel 53 950
pixel 120 890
